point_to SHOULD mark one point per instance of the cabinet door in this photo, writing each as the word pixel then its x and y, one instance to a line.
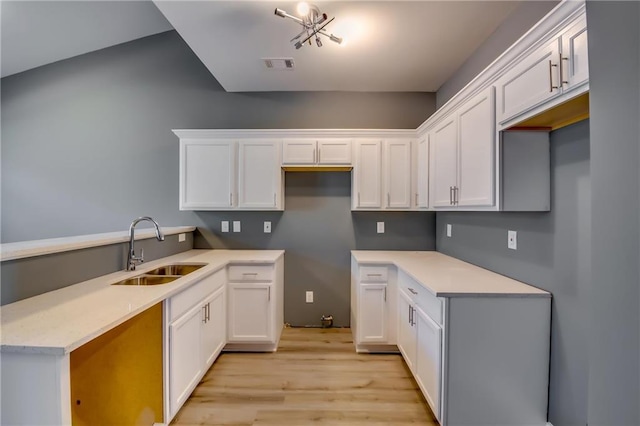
pixel 334 151
pixel 575 58
pixel 533 81
pixel 250 312
pixel 367 170
pixel 214 330
pixel 299 151
pixel 429 359
pixel 260 175
pixel 406 330
pixel 444 145
pixel 477 139
pixel 398 174
pixel 372 313
pixel 185 363
pixel 207 174
pixel 423 172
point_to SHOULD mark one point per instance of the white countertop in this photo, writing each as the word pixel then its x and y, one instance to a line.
pixel 446 276
pixel 21 249
pixel 60 321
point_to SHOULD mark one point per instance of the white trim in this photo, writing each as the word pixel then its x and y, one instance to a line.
pixel 22 249
pixel 291 133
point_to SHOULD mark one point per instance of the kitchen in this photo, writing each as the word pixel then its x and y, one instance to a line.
pixel 555 251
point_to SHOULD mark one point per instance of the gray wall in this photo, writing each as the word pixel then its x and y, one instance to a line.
pixel 87 146
pixel 614 308
pixel 553 254
pixel 518 23
pixel 31 276
pixel 87 142
pixel 317 230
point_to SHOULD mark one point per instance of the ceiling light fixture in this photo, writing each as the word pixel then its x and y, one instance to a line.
pixel 313 23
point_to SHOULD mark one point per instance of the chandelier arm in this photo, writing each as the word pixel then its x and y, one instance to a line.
pixel 316 31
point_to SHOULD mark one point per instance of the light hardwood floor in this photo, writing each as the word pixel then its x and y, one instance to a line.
pixel 315 378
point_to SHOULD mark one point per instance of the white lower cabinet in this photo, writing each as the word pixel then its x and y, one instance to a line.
pixel 255 306
pixel 373 313
pixel 428 361
pixel 406 329
pixel 195 331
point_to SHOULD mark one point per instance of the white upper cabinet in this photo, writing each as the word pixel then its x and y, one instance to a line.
pixel 552 71
pixel 259 175
pixel 397 167
pixel 311 152
pixel 476 151
pixel 367 175
pixel 422 190
pixel 207 174
pixel 444 144
pixel 463 148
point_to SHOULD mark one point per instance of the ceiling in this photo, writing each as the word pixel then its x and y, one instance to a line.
pixel 389 45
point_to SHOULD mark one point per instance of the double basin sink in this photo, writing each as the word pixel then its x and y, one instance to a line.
pixel 162 275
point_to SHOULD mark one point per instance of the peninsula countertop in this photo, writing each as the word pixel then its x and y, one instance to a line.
pixel 60 321
pixel 446 276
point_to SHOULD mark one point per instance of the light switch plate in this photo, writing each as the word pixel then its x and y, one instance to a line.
pixel 309 297
pixel 449 227
pixel 182 237
pixel 224 226
pixel 380 227
pixel 267 227
pixel 236 226
pixel 512 240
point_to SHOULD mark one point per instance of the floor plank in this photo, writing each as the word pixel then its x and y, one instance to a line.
pixel 315 377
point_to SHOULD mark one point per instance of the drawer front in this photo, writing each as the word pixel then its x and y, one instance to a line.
pixel 374 274
pixel 249 273
pixel 182 302
pixel 429 303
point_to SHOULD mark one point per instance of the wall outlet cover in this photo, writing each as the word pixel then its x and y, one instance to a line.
pixel 380 227
pixel 449 227
pixel 267 227
pixel 512 240
pixel 224 226
pixel 309 297
pixel 236 226
pixel 182 237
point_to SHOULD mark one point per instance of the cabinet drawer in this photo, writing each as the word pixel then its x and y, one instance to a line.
pixel 249 273
pixel 374 274
pixel 182 302
pixel 429 303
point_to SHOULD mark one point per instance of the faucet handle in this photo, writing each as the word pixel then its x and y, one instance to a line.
pixel 141 258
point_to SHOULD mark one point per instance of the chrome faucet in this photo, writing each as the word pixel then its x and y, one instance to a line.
pixel 133 260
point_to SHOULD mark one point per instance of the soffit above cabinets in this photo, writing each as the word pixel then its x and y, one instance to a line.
pixel 389 45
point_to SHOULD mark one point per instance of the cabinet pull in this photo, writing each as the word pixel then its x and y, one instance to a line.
pixel 385 294
pixel 409 314
pixel 551 86
pixel 358 199
pixel 451 195
pixel 562 80
pixel 231 199
pixel 417 203
pixel 413 291
pixel 388 200
pixel 204 314
pixel 249 273
pixel 413 316
pixel 208 311
pixel 269 293
pixel 374 275
pixel 319 155
pixel 314 156
pixel 455 195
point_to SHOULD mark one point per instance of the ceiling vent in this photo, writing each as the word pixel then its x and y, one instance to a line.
pixel 278 63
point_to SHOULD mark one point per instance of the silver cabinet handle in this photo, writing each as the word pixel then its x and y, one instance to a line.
pixel 358 199
pixel 209 311
pixel 413 316
pixel 269 294
pixel 455 195
pixel 249 273
pixel 562 80
pixel 231 199
pixel 314 156
pixel 551 86
pixel 319 155
pixel 417 199
pixel 450 195
pixel 388 200
pixel 204 314
pixel 413 291
pixel 374 275
pixel 385 294
pixel 409 314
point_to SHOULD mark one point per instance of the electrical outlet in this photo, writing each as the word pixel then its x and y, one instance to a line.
pixel 380 227
pixel 224 226
pixel 512 240
pixel 309 297
pixel 236 226
pixel 267 227
pixel 182 238
pixel 449 227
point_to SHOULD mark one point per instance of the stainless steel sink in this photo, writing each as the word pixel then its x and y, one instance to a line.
pixel 177 269
pixel 147 280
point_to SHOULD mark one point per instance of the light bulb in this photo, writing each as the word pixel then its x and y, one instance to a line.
pixel 303 9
